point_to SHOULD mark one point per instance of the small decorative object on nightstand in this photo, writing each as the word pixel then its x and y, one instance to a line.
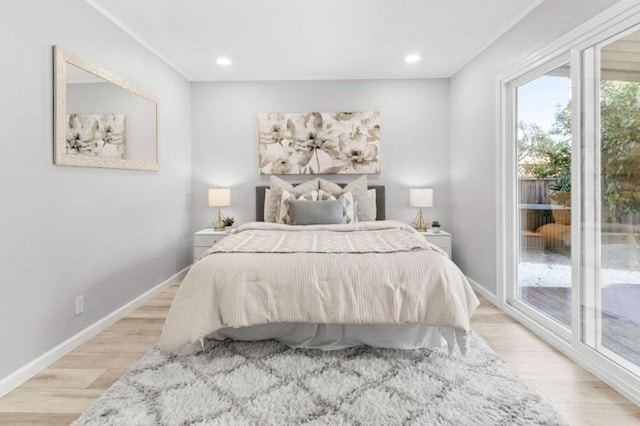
pixel 435 226
pixel 205 239
pixel 219 197
pixel 228 224
pixel 421 197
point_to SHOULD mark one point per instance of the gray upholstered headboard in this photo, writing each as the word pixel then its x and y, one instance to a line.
pixel 380 201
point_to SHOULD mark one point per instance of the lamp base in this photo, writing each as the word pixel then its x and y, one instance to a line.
pixel 218 223
pixel 421 223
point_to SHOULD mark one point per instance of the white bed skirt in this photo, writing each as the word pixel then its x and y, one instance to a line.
pixel 329 337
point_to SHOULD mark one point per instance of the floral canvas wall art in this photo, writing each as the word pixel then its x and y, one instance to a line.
pixel 97 135
pixel 319 143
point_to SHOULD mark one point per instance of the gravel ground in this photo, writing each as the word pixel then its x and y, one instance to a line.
pixel 556 275
pixel 549 269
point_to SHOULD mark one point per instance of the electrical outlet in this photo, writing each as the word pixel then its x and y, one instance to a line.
pixel 79 304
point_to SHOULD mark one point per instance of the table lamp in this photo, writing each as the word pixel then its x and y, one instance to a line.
pixel 421 197
pixel 219 197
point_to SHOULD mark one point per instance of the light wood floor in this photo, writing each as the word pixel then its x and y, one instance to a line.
pixel 61 392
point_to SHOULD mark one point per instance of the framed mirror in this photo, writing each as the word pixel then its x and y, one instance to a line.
pixel 101 120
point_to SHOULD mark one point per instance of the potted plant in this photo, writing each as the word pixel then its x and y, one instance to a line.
pixel 435 226
pixel 550 156
pixel 228 223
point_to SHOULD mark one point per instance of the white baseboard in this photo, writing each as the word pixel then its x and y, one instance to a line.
pixel 484 292
pixel 27 371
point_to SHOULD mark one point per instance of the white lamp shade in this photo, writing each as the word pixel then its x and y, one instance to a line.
pixel 421 197
pixel 219 197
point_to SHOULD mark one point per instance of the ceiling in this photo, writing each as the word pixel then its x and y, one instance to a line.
pixel 315 40
pixel 621 59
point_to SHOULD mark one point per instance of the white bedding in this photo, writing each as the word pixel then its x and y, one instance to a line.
pixel 339 336
pixel 366 273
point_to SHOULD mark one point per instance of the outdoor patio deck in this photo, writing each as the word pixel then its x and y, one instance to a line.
pixel 619 334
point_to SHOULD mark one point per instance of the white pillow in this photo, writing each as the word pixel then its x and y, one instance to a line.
pixel 267 204
pixel 349 207
pixel 277 186
pixel 283 210
pixel 371 202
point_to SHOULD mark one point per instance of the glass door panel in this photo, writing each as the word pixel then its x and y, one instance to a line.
pixel 544 195
pixel 617 274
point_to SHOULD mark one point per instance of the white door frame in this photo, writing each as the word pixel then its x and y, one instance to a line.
pixel 615 21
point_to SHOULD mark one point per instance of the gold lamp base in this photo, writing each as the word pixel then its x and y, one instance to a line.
pixel 421 223
pixel 218 224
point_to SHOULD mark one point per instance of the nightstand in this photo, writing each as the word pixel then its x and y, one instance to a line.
pixel 441 239
pixel 205 239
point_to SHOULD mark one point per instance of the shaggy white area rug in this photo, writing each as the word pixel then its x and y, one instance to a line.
pixel 269 383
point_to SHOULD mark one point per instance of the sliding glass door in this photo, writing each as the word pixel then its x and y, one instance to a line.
pixel 543 173
pixel 569 238
pixel 611 318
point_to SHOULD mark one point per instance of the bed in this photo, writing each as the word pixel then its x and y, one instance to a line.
pixel 377 283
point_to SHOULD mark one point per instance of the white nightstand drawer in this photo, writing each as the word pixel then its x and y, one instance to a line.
pixel 206 240
pixel 197 251
pixel 441 241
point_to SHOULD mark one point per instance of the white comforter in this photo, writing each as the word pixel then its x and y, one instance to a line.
pixel 367 273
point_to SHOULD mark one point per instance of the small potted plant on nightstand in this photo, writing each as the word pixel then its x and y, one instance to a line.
pixel 435 226
pixel 228 223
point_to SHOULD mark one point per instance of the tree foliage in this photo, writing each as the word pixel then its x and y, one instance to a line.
pixel 620 145
pixel 548 153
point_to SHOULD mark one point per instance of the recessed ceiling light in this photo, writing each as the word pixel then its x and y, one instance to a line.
pixel 412 59
pixel 223 62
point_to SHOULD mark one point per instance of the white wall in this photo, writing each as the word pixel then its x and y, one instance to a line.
pixel 414 138
pixel 108 234
pixel 473 124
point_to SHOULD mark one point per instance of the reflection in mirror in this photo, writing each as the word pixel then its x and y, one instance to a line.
pixel 102 120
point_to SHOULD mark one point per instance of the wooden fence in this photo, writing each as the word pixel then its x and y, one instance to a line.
pixel 533 190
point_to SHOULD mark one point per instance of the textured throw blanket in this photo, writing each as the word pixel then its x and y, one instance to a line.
pixel 366 273
pixel 260 237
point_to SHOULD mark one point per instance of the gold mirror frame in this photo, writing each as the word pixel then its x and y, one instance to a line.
pixel 60 156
